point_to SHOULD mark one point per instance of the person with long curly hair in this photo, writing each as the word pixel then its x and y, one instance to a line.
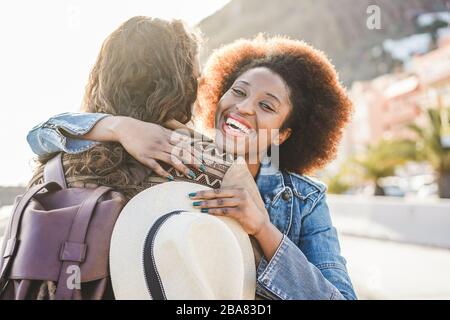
pixel 146 69
pixel 285 98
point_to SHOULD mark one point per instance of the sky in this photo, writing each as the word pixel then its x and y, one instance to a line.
pixel 47 50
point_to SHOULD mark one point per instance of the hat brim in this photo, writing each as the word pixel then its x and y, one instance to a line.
pixel 133 225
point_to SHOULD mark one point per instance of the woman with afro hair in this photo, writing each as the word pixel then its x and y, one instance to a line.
pixel 278 104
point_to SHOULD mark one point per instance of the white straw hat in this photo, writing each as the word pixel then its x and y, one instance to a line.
pixel 164 248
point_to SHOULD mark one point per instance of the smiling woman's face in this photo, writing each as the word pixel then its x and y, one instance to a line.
pixel 250 114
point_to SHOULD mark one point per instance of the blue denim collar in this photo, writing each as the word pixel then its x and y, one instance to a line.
pixel 271 180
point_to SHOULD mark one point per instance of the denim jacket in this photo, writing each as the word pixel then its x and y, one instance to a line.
pixel 306 265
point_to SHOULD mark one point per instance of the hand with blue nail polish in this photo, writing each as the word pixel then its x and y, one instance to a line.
pixel 151 144
pixel 233 203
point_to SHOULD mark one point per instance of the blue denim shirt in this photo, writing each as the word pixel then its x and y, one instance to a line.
pixel 306 265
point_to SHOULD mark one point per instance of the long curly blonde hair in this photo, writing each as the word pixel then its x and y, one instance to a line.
pixel 146 69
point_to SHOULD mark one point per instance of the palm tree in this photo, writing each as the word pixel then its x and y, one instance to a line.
pixel 382 158
pixel 347 177
pixel 432 146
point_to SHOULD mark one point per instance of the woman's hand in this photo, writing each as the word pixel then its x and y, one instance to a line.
pixel 233 203
pixel 239 205
pixel 148 142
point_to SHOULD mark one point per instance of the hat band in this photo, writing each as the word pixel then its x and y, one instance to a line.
pixel 152 278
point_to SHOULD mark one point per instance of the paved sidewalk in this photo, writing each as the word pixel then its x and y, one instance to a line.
pixel 390 270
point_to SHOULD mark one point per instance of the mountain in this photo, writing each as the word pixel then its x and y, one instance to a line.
pixel 337 27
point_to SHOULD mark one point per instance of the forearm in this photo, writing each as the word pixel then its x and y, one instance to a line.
pixel 269 239
pixel 310 268
pixel 106 130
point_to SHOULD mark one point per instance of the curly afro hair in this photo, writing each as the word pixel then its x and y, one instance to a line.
pixel 321 107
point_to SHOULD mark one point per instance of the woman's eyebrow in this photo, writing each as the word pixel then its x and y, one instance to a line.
pixel 267 93
pixel 273 96
pixel 243 81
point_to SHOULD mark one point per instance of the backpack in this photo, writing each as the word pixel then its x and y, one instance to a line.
pixel 57 242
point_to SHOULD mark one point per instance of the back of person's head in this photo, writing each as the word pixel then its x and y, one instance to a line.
pixel 146 69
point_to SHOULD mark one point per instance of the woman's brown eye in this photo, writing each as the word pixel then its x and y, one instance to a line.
pixel 266 106
pixel 238 92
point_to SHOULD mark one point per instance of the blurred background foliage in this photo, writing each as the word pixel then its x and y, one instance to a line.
pixel 381 159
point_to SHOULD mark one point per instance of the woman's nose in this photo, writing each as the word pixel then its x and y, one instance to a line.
pixel 245 107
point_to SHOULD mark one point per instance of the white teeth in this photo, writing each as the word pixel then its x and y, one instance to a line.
pixel 237 124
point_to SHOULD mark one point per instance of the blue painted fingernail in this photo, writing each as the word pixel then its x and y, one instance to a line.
pixel 170 178
pixel 191 174
pixel 192 194
pixel 204 210
pixel 202 168
pixel 197 204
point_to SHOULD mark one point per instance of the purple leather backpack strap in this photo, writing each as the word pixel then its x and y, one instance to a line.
pixel 54 171
pixel 11 242
pixel 73 251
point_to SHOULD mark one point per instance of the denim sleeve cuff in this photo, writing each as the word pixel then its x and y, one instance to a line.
pixel 49 137
pixel 76 124
pixel 289 275
pixel 265 272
